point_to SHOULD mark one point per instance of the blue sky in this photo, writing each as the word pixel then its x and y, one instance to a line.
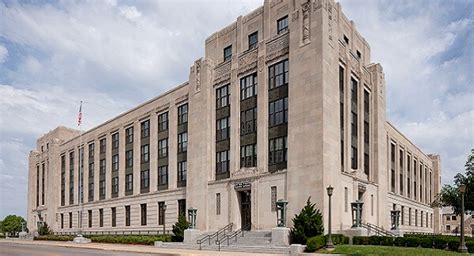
pixel 117 54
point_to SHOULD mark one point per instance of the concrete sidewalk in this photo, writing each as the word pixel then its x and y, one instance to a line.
pixel 128 248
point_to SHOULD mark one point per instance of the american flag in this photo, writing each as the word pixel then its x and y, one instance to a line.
pixel 79 116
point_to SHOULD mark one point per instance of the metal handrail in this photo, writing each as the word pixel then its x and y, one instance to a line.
pixel 378 229
pixel 214 235
pixel 234 234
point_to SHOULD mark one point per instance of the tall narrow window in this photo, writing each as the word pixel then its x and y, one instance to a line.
pixel 114 216
pixel 115 185
pixel 409 176
pixel 278 74
pixel 222 162
pixel 248 121
pixel 127 215
pixel 145 129
pixel 162 175
pixel 163 148
pixel 38 186
pixel 91 172
pixel 182 172
pixel 278 112
pixel 371 205
pixel 354 123
pixel 144 179
pixel 248 86
pixel 115 140
pixel 341 113
pixel 282 25
pixel 392 167
pixel 183 142
pixel 218 204
pixel 409 216
pixel 366 132
pixel 222 129
pixel 129 135
pixel 143 214
pixel 228 53
pixel 401 170
pixel 102 146
pixel 346 199
pixel 129 158
pixel 163 122
pixel 161 213
pixel 70 220
pixel 62 220
pixel 222 96
pixel 248 155
pixel 183 114
pixel 274 194
pixel 101 217
pixel 182 207
pixel 253 40
pixel 63 180
pixel 42 183
pixel 145 153
pixel 403 215
pixel 71 178
pixel 115 162
pixel 277 150
pixel 129 182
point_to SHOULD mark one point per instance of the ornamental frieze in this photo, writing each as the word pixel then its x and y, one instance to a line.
pixel 248 61
pixel 277 47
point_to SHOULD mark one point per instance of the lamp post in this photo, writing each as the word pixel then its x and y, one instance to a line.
pixel 164 218
pixel 462 245
pixel 329 244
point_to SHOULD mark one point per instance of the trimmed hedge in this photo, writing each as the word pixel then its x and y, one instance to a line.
pixel 338 239
pixel 315 243
pixel 117 239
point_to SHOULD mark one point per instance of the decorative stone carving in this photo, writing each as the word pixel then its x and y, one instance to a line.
pixel 248 61
pixel 277 47
pixel 181 99
pixel 305 9
pixel 245 172
pixel 275 2
pixel 294 15
pixel 197 75
pixel 222 72
pixel 330 22
pixel 282 10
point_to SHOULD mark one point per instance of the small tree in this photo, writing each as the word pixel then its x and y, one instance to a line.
pixel 44 230
pixel 12 224
pixel 179 227
pixel 306 224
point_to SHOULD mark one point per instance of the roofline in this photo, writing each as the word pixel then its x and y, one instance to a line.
pixel 409 141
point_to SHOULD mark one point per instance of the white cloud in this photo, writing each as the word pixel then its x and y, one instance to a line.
pixel 3 54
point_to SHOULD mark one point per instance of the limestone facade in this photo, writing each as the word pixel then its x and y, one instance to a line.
pixel 319 119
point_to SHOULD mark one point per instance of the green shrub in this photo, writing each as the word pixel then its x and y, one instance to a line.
pixel 426 242
pixel 374 240
pixel 360 240
pixel 453 244
pixel 179 227
pixel 54 238
pixel 399 241
pixel 315 243
pixel 440 242
pixel 470 246
pixel 306 224
pixel 386 240
pixel 412 241
pixel 339 239
pixel 114 239
pixel 44 230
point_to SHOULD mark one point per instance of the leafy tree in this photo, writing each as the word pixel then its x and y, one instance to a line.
pixel 450 196
pixel 306 224
pixel 179 227
pixel 12 224
pixel 44 230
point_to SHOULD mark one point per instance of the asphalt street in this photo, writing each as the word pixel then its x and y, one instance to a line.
pixel 33 249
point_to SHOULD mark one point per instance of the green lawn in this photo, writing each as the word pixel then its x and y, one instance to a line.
pixel 386 250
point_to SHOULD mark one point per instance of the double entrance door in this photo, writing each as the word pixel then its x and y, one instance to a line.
pixel 245 210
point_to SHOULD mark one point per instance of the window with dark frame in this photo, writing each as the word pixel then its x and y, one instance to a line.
pixel 341 112
pixel 161 213
pixel 63 180
pixel 70 220
pixel 145 129
pixel 115 185
pixel 182 207
pixel 366 132
pixel 183 142
pixel 278 112
pixel 248 121
pixel 354 123
pixel 89 215
pixel 115 140
pixel 129 135
pixel 127 215
pixel 248 155
pixel 102 145
pixel 222 129
pixel 163 122
pixel 218 204
pixel 282 25
pixel 145 153
pixel 278 74
pixel 163 148
pixel 183 114
pixel 253 40
pixel 129 182
pixel 129 158
pixel 62 220
pixel 222 162
pixel 143 214
pixel 162 175
pixel 222 96
pixel 182 170
pixel 228 53
pixel 144 179
pixel 278 149
pixel 392 167
pixel 71 178
pixel 115 162
pixel 114 216
pixel 248 86
pixel 101 217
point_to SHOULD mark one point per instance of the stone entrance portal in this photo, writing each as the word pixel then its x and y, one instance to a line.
pixel 245 209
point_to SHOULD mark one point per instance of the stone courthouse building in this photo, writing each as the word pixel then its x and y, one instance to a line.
pixel 285 103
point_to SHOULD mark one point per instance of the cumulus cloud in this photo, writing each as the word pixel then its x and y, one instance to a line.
pixel 3 54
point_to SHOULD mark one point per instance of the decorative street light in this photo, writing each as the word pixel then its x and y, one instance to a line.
pixel 462 245
pixel 192 213
pixel 164 218
pixel 329 244
pixel 281 212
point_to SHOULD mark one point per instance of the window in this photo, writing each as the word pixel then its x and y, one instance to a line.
pixel 71 180
pixel 409 216
pixel 143 214
pixel 63 180
pixel 222 129
pixel 115 140
pixel 282 25
pixel 163 175
pixel 144 179
pixel 218 204
pixel 222 162
pixel 341 112
pixel 42 184
pixel 37 186
pixel 354 123
pixel 127 215
pixel 182 207
pixel 101 217
pixel 372 205
pixel 278 74
pixel 359 55
pixel 273 200
pixel 182 170
pixel 253 40
pixel 182 142
pixel 448 227
pixel 129 182
pixel 403 215
pixel 421 217
pixel 114 216
pixel 115 162
pixel 163 122
pixel 409 176
pixel 102 167
pixel 70 220
pixel 183 114
pixel 102 145
pixel 248 86
pixel 91 170
pixel 129 135
pixel 248 155
pixel 102 188
pixel 346 39
pixel 228 53
pixel 129 158
pixel 278 112
pixel 145 153
pixel 89 215
pixel 222 96
pixel 62 220
pixel 346 199
pixel 115 185
pixel 163 148
pixel 248 121
pixel 145 129
pixel 453 217
pixel 366 132
pixel 161 213
pixel 448 218
pixel 91 151
pixel 277 150
pixel 416 218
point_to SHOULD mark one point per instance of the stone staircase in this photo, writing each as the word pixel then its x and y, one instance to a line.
pixel 251 241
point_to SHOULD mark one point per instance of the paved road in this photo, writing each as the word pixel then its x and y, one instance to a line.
pixel 42 250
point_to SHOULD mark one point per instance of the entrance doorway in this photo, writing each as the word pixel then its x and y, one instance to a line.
pixel 245 210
